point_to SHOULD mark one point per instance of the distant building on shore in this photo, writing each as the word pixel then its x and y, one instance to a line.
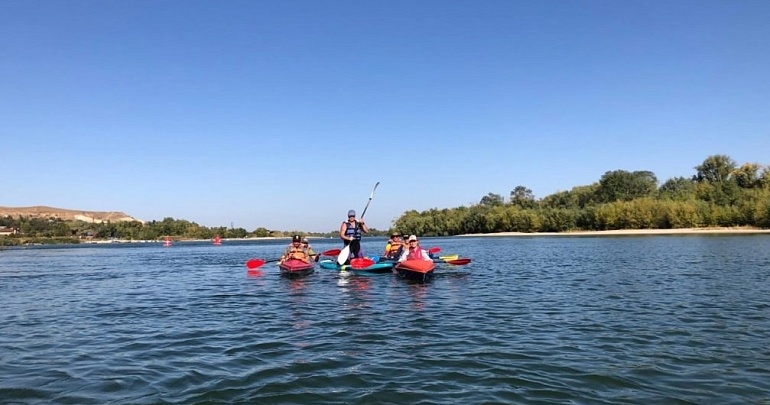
pixel 6 231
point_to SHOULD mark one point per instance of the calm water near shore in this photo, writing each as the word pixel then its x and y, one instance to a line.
pixel 532 320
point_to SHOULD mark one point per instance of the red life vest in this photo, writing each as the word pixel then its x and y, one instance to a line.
pixel 415 254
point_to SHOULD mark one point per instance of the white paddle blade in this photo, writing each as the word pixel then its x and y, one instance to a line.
pixel 343 256
pixel 373 190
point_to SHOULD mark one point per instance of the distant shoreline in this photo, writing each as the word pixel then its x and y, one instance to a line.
pixel 628 232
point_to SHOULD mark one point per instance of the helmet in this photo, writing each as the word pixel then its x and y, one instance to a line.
pixel 296 238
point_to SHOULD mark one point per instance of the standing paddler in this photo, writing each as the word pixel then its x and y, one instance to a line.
pixel 351 232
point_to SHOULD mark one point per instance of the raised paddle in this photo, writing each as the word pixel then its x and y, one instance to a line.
pixel 370 199
pixel 252 264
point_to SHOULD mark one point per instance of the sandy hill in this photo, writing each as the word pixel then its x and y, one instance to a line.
pixel 67 215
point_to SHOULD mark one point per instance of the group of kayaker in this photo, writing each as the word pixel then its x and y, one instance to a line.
pixel 351 232
pixel 397 249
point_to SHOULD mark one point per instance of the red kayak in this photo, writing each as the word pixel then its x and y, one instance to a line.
pixel 294 268
pixel 418 270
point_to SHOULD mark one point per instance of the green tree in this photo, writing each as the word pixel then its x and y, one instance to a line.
pixel 677 189
pixel 261 232
pixel 764 178
pixel 721 193
pixel 523 220
pixel 680 214
pixel 475 221
pixel 715 169
pixel 559 220
pixel 747 176
pixel 523 197
pixel 492 200
pixel 621 185
pixel 577 197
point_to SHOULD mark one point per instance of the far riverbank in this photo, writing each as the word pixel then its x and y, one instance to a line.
pixel 625 232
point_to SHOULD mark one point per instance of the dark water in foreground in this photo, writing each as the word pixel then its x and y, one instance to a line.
pixel 540 320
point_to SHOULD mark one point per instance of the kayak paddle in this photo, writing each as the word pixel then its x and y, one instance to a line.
pixel 331 252
pixel 342 257
pixel 252 264
pixel 361 263
pixel 459 262
pixel 370 199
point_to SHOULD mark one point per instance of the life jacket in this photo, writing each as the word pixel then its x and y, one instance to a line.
pixel 299 253
pixel 415 254
pixel 394 249
pixel 353 230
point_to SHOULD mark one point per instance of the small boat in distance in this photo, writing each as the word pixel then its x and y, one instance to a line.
pixel 217 240
pixel 167 242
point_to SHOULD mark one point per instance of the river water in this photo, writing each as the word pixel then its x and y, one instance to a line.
pixel 532 320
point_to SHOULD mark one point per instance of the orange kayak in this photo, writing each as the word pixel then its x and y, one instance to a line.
pixel 418 270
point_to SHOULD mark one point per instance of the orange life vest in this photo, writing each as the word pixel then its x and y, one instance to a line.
pixel 299 253
pixel 393 247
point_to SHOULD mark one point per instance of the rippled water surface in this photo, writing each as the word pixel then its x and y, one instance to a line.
pixel 571 320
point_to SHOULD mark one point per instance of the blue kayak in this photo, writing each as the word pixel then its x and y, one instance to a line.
pixel 384 267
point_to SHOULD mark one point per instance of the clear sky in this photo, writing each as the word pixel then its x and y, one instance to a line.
pixel 284 114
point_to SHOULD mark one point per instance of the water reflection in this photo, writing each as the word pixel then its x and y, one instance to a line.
pixel 417 293
pixel 361 285
pixel 357 289
pixel 254 273
pixel 348 281
pixel 297 286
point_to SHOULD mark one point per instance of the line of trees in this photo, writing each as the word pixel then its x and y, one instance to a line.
pixel 720 193
pixel 57 230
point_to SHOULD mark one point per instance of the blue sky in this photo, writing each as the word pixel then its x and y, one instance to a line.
pixel 284 114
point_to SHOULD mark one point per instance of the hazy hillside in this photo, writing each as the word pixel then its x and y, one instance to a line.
pixel 65 214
